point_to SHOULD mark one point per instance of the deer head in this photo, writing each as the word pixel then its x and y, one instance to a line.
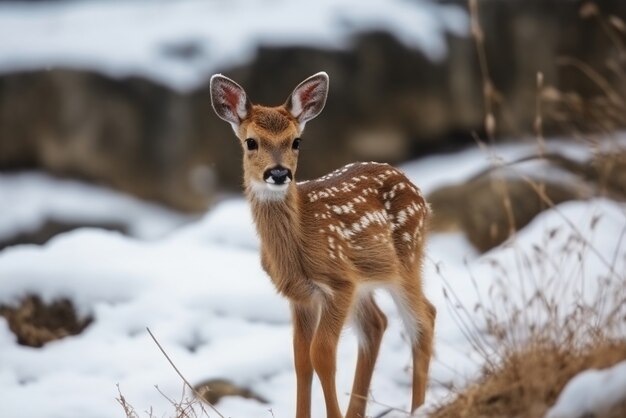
pixel 269 136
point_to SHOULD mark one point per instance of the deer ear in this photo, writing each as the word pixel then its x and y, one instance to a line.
pixel 309 98
pixel 229 100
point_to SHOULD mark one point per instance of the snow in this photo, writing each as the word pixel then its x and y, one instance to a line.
pixel 29 199
pixel 201 290
pixel 591 393
pixel 181 43
pixel 430 173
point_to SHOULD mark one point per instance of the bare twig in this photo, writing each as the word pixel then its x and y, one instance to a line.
pixel 539 116
pixel 193 390
pixel 128 409
pixel 602 83
pixel 488 88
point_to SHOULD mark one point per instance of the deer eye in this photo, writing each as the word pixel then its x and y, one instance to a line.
pixel 251 144
pixel 296 143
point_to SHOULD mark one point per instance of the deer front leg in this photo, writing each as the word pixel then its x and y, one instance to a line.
pixel 304 323
pixel 324 347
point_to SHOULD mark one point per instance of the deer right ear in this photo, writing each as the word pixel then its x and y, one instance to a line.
pixel 229 100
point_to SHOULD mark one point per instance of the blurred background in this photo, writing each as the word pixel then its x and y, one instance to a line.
pixel 126 187
pixel 115 93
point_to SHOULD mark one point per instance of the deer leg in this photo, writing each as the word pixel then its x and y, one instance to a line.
pixel 422 351
pixel 418 315
pixel 304 323
pixel 370 323
pixel 324 347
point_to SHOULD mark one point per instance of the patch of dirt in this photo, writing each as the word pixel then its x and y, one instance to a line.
pixel 214 390
pixel 36 323
pixel 529 381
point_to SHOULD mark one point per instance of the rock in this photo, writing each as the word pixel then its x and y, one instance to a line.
pixel 131 134
pixel 35 322
pixel 479 208
pixel 387 102
pixel 214 390
pixel 51 228
pixel 606 170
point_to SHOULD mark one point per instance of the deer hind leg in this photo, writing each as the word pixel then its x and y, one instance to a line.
pixel 370 325
pixel 304 323
pixel 418 315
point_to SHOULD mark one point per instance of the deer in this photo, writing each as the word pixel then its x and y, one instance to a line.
pixel 327 244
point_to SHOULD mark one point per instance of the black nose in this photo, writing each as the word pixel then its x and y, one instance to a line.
pixel 278 175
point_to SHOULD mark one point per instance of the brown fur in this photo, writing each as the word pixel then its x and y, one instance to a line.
pixel 325 242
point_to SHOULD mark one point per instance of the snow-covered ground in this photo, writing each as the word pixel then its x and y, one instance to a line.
pixel 576 400
pixel 202 292
pixel 181 43
pixel 29 199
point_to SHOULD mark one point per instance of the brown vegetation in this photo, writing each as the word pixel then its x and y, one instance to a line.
pixel 478 208
pixel 539 344
pixel 492 205
pixel 215 389
pixel 529 379
pixel 35 322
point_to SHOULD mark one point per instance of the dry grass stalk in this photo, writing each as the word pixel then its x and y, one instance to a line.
pixel 188 385
pixel 532 346
pixel 489 92
pixel 605 112
pixel 185 407
pixel 528 381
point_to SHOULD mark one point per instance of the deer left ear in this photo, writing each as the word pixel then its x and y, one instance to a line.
pixel 309 98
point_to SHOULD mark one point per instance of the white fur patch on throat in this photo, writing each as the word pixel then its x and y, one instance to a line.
pixel 268 192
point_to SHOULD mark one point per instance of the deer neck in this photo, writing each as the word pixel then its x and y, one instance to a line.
pixel 277 220
pixel 278 225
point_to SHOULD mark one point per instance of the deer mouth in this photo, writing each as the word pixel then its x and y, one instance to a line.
pixel 277 187
pixel 265 190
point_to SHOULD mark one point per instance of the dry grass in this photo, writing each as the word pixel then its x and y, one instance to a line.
pixel 189 405
pixel 35 322
pixel 540 329
pixel 528 380
pixel 533 345
pixel 186 406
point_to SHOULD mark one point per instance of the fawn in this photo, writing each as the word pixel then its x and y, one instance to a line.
pixel 328 243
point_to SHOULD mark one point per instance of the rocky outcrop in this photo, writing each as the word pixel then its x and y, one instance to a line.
pixel 387 103
pixel 490 210
pixel 495 204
